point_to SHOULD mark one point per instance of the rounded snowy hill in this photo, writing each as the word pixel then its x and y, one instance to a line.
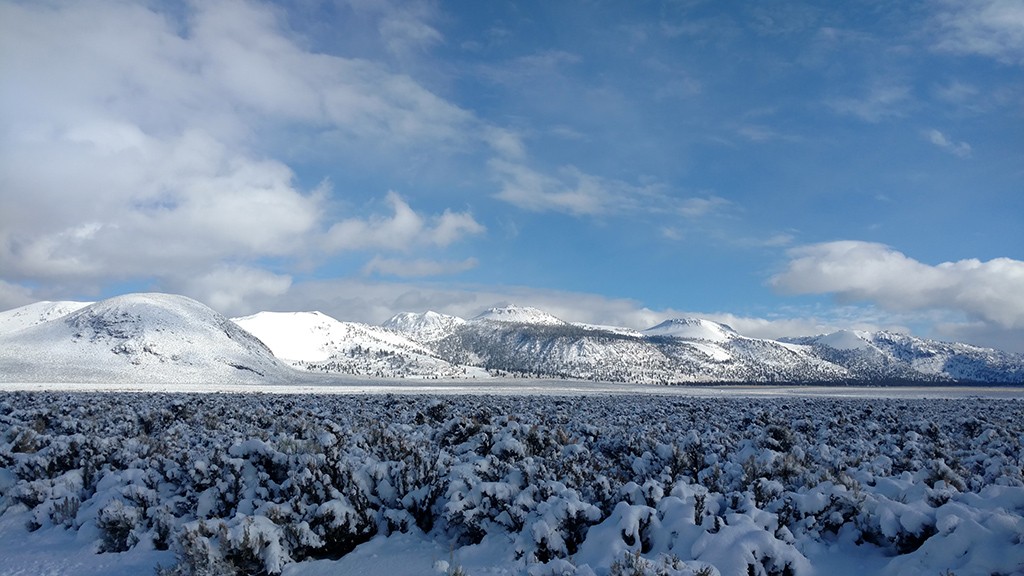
pixel 316 342
pixel 519 315
pixel 37 313
pixel 693 329
pixel 429 326
pixel 139 338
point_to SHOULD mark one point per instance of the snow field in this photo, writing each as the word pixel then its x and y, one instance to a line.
pixel 588 485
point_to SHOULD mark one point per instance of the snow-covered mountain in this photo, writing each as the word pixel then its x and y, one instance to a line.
pixel 677 351
pixel 519 315
pixel 528 341
pixel 889 356
pixel 316 342
pixel 139 338
pixel 693 329
pixel 149 337
pixel 37 313
pixel 426 327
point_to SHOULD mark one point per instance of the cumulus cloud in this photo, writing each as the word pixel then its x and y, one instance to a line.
pixel 134 144
pixel 992 28
pixel 227 289
pixel 374 301
pixel 14 295
pixel 403 230
pixel 989 292
pixel 961 149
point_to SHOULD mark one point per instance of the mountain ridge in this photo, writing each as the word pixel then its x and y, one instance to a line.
pixel 158 333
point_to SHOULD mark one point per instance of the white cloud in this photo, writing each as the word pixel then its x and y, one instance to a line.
pixel 505 143
pixel 228 289
pixel 884 99
pixel 135 144
pixel 961 149
pixel 575 193
pixel 863 271
pixel 98 204
pixel 417 268
pixel 992 28
pixel 404 230
pixel 375 301
pixel 696 207
pixel 982 334
pixel 14 295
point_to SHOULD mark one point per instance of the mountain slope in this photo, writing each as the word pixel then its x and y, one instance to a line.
pixel 140 338
pixel 875 356
pixel 426 327
pixel 159 337
pixel 37 313
pixel 693 329
pixel 316 342
pixel 519 315
pixel 668 354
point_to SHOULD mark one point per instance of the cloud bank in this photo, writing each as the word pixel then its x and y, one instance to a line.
pixel 987 292
pixel 140 147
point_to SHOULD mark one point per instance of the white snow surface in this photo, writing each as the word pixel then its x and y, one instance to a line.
pixel 610 329
pixel 37 313
pixel 316 342
pixel 666 484
pixel 693 329
pixel 846 340
pixel 314 336
pixel 138 338
pixel 519 315
pixel 504 341
pixel 715 352
pixel 429 326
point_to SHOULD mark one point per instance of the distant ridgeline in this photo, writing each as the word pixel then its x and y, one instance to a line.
pixel 161 337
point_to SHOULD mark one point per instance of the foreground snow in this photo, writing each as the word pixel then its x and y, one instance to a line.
pixel 605 483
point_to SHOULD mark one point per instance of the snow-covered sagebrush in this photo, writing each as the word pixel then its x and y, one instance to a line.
pixel 263 484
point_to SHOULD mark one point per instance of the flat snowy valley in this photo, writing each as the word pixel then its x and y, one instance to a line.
pixel 510 477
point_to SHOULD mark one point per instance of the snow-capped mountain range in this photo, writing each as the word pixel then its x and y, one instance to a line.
pixel 144 337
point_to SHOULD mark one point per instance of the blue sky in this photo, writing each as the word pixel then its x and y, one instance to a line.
pixel 789 168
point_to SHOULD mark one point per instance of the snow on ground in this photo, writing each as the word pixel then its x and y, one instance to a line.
pixel 585 479
pixel 335 384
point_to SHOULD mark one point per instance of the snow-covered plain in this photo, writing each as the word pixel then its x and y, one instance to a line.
pixel 581 479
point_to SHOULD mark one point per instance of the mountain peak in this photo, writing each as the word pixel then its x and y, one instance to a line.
pixel 519 315
pixel 693 329
pixel 141 337
pixel 846 339
pixel 429 326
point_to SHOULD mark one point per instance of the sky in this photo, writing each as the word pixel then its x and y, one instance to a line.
pixel 789 168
